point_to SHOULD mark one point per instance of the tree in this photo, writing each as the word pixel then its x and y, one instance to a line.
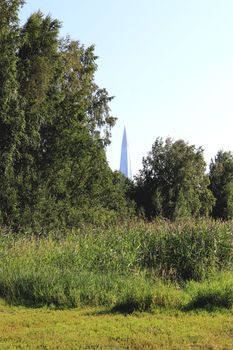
pixel 38 69
pixel 55 125
pixel 64 175
pixel 73 159
pixel 12 121
pixel 221 184
pixel 173 183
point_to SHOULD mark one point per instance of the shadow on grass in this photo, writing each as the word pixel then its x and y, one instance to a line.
pixel 206 306
pixel 126 308
pixel 101 312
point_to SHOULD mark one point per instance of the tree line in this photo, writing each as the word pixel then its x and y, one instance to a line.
pixel 55 125
pixel 173 183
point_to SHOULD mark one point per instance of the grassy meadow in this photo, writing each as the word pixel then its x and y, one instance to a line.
pixel 153 286
pixel 95 328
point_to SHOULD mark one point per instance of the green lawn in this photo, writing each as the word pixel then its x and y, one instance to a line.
pixel 26 328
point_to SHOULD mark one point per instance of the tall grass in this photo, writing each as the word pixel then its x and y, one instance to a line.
pixel 119 267
pixel 215 292
pixel 190 249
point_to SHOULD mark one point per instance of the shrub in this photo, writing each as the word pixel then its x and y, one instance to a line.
pixel 216 292
pixel 144 295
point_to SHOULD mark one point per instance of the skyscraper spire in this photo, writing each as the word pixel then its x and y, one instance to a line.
pixel 125 166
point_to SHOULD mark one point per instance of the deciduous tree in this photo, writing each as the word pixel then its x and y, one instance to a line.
pixel 221 184
pixel 173 183
pixel 12 121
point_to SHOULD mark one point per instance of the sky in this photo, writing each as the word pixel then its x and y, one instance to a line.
pixel 169 64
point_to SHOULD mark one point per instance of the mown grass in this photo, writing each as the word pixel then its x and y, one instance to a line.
pixel 27 328
pixel 138 267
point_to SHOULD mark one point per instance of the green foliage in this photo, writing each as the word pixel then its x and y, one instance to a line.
pixel 221 184
pixel 136 296
pixel 118 267
pixel 189 250
pixel 172 183
pixel 11 115
pixel 55 124
pixel 215 292
pixel 147 295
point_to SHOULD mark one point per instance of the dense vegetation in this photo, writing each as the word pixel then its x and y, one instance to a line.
pixel 72 230
pixel 55 125
pixel 173 183
pixel 136 267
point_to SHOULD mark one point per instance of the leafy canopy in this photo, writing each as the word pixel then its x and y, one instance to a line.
pixel 173 182
pixel 55 124
pixel 221 184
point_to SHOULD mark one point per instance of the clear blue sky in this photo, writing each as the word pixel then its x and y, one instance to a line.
pixel 169 64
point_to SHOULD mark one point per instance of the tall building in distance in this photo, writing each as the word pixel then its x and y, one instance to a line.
pixel 125 166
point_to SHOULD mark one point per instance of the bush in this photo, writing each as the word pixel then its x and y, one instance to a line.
pixel 216 292
pixel 148 295
pixel 136 296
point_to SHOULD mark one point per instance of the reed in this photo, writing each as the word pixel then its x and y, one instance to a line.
pixel 139 266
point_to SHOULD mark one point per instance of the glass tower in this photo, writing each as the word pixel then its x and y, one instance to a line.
pixel 125 166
